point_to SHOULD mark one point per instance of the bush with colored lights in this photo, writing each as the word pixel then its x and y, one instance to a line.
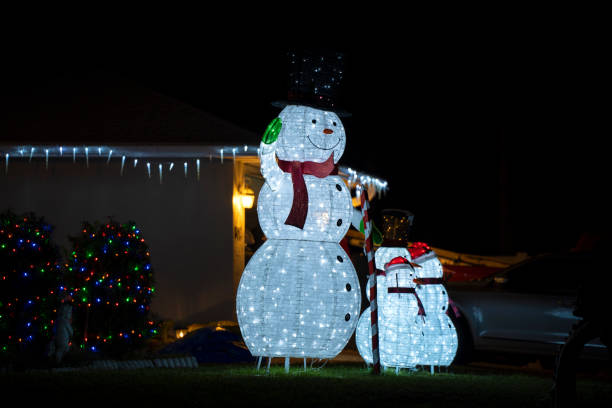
pixel 30 274
pixel 113 286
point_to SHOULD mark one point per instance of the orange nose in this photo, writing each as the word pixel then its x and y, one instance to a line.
pixel 328 131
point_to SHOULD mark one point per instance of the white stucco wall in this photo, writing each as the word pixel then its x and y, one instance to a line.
pixel 186 223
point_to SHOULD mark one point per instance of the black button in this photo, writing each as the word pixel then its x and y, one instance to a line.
pixel 443 307
pixel 348 287
pixel 347 317
pixel 338 187
pixel 339 258
pixel 339 223
pixel 443 292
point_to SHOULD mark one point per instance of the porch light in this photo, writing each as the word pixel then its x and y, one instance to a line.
pixel 247 198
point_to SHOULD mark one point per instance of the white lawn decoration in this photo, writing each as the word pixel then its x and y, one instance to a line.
pixel 413 322
pixel 440 337
pixel 400 335
pixel 299 295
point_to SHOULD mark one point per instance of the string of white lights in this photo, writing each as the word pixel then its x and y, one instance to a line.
pixel 118 153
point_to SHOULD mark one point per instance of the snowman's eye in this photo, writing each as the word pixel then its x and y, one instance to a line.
pixel 314 121
pixel 334 123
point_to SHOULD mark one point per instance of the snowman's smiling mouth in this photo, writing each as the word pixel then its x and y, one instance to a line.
pixel 322 148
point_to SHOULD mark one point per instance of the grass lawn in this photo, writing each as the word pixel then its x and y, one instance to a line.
pixel 331 386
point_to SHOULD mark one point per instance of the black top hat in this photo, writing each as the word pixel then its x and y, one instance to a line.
pixel 314 80
pixel 396 227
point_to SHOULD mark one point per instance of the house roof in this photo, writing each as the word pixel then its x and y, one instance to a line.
pixel 103 108
pixel 100 115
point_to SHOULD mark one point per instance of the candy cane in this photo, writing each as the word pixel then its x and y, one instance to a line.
pixel 367 227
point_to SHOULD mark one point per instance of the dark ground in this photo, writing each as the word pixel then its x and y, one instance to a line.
pixel 336 384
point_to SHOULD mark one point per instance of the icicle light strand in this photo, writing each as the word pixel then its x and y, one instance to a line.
pixel 352 175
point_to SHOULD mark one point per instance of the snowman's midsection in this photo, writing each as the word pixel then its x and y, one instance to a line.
pixel 329 210
pixel 399 306
pixel 434 298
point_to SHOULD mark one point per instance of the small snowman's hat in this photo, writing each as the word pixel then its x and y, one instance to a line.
pixel 397 224
pixel 314 80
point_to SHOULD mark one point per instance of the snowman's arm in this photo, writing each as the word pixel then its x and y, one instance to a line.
pixel 267 155
pixel 269 168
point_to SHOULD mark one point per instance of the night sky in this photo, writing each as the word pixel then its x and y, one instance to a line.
pixel 495 146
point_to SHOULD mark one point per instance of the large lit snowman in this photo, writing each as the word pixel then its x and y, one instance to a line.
pixel 299 295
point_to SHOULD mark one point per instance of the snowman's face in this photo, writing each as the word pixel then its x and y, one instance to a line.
pixel 309 134
pixel 403 277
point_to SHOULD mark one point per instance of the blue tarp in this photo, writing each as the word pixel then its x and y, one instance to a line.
pixel 211 345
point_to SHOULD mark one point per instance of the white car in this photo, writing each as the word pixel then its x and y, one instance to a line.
pixel 526 308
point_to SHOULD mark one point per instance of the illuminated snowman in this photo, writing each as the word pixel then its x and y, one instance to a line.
pixel 440 337
pixel 382 256
pixel 400 334
pixel 299 295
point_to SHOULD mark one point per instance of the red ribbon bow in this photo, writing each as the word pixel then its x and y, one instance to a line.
pixel 299 208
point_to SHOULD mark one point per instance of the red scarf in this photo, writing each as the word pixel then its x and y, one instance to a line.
pixel 299 208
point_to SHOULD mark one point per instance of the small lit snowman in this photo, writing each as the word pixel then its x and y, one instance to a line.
pixel 440 336
pixel 399 308
pixel 400 335
pixel 299 295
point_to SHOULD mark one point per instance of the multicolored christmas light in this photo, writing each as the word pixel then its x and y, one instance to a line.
pixel 30 274
pixel 113 287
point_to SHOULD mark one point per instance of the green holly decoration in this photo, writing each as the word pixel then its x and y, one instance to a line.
pixel 377 237
pixel 272 131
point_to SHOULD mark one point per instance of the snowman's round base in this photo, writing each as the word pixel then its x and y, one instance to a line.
pixel 298 299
